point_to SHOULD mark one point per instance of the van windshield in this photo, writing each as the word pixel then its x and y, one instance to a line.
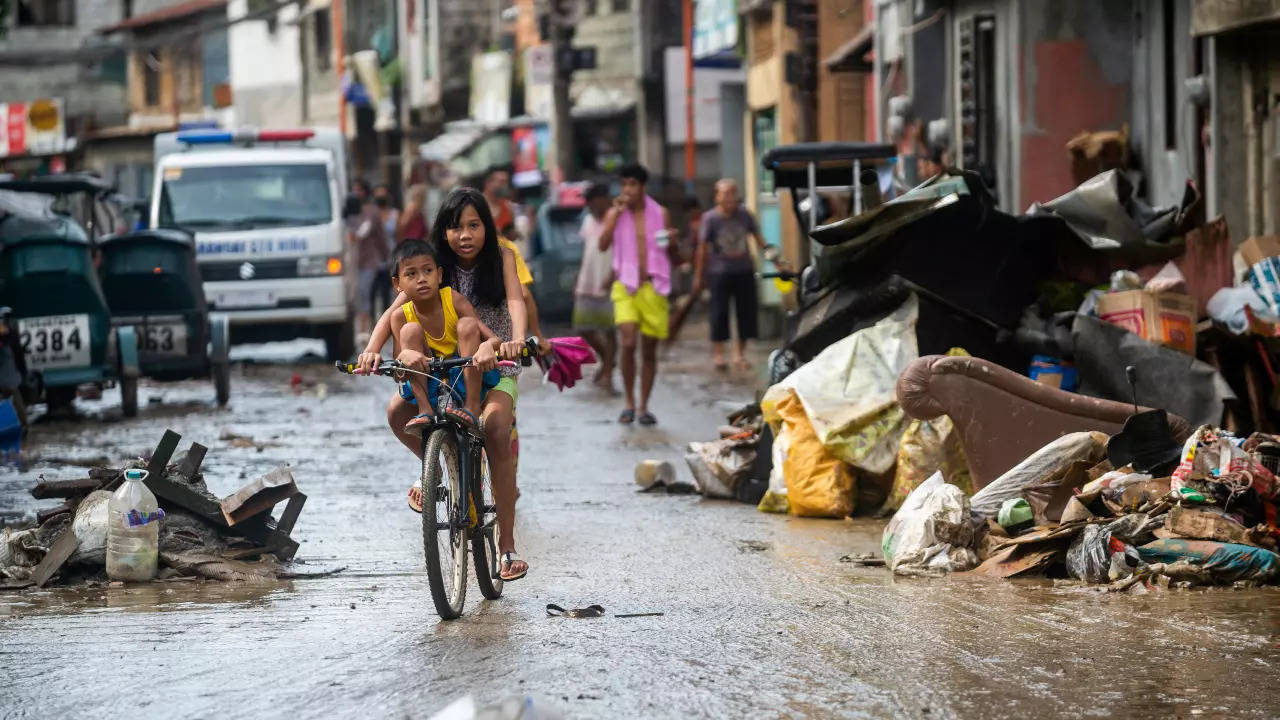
pixel 240 197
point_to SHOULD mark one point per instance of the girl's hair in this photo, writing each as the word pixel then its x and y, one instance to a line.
pixel 490 288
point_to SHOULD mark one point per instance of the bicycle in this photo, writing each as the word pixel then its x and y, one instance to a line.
pixel 458 506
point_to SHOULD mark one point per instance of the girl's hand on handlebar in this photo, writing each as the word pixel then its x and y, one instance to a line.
pixel 485 358
pixel 368 363
pixel 511 350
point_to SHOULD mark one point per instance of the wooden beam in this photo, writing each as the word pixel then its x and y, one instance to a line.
pixel 187 498
pixel 290 515
pixel 164 451
pixel 43 516
pixel 259 496
pixel 46 489
pixel 61 549
pixel 191 463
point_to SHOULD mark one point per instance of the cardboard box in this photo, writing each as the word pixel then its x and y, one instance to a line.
pixel 1256 249
pixel 1164 318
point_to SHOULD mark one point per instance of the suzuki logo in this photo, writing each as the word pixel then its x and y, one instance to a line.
pixel 247 271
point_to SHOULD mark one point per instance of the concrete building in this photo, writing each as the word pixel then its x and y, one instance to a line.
pixel 283 67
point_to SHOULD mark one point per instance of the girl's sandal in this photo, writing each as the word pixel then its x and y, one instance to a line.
pixel 509 560
pixel 415 498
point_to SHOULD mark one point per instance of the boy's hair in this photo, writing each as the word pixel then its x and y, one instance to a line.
pixel 410 249
pixel 634 171
pixel 594 191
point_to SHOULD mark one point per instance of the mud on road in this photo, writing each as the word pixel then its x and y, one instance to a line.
pixel 760 617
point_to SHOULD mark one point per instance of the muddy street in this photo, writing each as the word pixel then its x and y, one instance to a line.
pixel 760 617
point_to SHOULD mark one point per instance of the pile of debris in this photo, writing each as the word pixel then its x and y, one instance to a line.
pixel 1134 510
pixel 200 535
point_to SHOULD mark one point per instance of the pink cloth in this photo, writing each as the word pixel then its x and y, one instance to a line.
pixel 568 355
pixel 625 259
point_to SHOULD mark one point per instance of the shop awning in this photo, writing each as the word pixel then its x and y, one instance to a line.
pixel 1210 17
pixel 177 11
pixel 600 101
pixel 451 143
pixel 852 56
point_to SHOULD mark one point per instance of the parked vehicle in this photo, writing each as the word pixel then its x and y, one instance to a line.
pixel 556 257
pixel 152 283
pixel 265 208
pixel 48 276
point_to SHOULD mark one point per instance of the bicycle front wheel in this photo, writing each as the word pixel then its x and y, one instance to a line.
pixel 444 524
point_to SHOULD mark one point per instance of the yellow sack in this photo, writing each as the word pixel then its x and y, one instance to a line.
pixel 928 446
pixel 818 484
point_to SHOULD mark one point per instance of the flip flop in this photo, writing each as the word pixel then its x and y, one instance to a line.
pixel 416 425
pixel 647 418
pixel 509 559
pixel 627 417
pixel 415 498
pixel 463 417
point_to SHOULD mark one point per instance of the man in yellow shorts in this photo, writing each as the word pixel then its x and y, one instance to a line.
pixel 636 228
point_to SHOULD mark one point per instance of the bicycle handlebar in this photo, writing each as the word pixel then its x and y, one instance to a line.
pixel 435 365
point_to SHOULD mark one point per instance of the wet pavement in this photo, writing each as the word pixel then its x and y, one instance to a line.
pixel 760 617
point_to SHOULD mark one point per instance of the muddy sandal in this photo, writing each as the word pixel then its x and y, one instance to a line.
pixel 509 559
pixel 647 419
pixel 627 417
pixel 415 498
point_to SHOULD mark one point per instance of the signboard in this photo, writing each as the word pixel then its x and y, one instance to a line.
pixel 539 74
pixel 715 27
pixel 706 98
pixel 491 87
pixel 34 128
pixel 528 155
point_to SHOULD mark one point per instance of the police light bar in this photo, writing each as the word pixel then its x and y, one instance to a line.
pixel 245 135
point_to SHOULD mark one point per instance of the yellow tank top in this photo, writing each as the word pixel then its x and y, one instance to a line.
pixel 447 343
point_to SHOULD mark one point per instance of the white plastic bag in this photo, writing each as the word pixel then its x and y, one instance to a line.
pixel 1041 467
pixel 931 532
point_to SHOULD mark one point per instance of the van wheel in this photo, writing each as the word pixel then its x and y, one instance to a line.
pixel 340 341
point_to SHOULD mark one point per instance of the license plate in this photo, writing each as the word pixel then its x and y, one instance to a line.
pixel 55 341
pixel 163 339
pixel 245 298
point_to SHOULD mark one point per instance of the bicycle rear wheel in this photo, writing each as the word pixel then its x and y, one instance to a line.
pixel 484 539
pixel 444 524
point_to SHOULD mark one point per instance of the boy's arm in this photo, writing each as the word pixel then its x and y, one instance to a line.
pixel 411 359
pixel 610 222
pixel 381 334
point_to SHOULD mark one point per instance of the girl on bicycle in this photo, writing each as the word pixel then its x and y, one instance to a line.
pixel 479 269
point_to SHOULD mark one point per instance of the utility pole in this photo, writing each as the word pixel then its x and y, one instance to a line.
pixel 690 146
pixel 562 31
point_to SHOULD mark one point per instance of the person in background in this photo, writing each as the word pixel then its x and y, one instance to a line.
pixel 496 187
pixel 390 215
pixel 412 224
pixel 725 264
pixel 688 286
pixel 642 264
pixel 592 308
pixel 367 235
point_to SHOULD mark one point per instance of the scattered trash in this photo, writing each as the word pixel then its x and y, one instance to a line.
pixel 590 611
pixel 863 560
pixel 156 518
pixel 932 532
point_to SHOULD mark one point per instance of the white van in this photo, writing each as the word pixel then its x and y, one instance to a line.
pixel 266 211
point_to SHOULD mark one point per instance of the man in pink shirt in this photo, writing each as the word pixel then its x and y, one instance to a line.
pixel 637 228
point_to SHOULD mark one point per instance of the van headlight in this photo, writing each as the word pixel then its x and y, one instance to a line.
pixel 319 265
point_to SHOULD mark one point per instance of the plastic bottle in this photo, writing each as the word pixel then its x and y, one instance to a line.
pixel 133 530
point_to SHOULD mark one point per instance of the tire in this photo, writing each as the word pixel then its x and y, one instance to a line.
pixel 129 396
pixel 484 540
pixel 222 382
pixel 340 340
pixel 441 487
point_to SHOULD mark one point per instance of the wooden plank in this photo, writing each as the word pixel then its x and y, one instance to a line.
pixel 191 464
pixel 186 498
pixel 259 496
pixel 46 489
pixel 62 549
pixel 290 515
pixel 43 516
pixel 164 451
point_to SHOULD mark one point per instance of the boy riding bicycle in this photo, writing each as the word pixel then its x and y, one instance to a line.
pixel 435 322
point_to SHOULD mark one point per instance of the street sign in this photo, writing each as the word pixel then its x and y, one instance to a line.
pixel 35 128
pixel 577 58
